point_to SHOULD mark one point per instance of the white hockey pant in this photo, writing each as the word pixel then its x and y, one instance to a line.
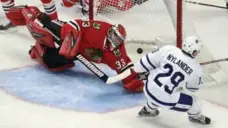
pixel 179 101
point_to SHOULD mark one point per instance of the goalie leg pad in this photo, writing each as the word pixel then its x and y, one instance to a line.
pixel 49 58
pixel 40 34
pixel 20 15
pixel 15 15
pixel 54 27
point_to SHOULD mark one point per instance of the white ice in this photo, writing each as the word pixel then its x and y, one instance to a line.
pixel 211 25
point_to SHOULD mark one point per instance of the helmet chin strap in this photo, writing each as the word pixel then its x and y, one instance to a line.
pixel 187 54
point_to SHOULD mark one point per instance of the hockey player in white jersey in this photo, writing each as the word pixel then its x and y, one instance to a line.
pixel 170 70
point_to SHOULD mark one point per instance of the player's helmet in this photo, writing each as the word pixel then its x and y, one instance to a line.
pixel 191 45
pixel 116 35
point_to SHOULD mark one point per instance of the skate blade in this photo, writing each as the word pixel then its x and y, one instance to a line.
pixel 10 30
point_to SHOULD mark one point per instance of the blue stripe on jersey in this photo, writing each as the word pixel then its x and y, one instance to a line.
pixel 147 57
pixel 155 99
pixel 185 100
pixel 144 65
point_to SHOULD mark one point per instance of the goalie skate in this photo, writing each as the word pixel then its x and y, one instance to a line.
pixel 7 26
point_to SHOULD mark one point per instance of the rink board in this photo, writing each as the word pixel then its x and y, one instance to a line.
pixel 74 89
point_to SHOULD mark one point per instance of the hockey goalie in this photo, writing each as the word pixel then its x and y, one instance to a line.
pixel 97 41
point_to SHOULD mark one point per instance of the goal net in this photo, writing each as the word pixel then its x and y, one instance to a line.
pixel 153 23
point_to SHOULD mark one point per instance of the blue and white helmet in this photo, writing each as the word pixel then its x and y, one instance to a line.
pixel 191 45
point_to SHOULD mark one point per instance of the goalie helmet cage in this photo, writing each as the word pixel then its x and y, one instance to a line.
pixel 146 20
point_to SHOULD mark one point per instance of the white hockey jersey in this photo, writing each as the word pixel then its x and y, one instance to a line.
pixel 171 69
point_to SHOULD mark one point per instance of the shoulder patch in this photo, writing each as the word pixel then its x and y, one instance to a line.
pixel 96 25
pixel 117 53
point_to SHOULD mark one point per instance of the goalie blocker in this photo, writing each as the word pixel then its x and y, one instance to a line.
pixel 105 44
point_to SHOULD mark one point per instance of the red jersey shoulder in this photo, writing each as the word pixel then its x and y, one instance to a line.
pixel 95 24
pixel 94 32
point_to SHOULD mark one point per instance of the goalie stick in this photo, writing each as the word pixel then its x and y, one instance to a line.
pixel 94 69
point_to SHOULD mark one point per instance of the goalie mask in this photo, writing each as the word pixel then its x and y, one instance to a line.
pixel 191 46
pixel 116 35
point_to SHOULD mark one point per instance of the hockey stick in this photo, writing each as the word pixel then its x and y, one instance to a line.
pixel 214 61
pixel 93 68
pixel 205 4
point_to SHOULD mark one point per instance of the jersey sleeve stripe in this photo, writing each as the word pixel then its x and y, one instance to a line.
pixel 141 62
pixel 74 25
pixel 147 57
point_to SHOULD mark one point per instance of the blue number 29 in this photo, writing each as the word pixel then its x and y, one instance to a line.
pixel 175 78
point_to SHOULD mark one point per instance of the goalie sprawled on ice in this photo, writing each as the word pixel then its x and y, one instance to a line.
pixel 97 41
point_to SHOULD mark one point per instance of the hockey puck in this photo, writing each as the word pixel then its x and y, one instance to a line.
pixel 139 50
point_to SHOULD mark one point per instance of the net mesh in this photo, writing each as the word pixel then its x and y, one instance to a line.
pixel 148 20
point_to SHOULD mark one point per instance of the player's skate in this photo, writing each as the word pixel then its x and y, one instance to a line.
pixel 226 3
pixel 7 26
pixel 201 120
pixel 145 113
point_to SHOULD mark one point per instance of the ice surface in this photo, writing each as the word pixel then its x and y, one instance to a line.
pixel 15 113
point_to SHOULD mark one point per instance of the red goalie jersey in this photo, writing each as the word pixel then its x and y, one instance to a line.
pixel 97 41
pixel 100 42
pixel 96 46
